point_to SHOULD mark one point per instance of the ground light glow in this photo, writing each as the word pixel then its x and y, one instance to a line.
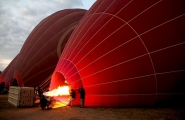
pixel 58 105
pixel 60 96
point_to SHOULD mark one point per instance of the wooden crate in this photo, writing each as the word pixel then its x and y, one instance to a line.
pixel 21 96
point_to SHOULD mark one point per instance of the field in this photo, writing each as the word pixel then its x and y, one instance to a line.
pixel 9 112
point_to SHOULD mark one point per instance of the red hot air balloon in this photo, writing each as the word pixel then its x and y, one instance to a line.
pixel 127 53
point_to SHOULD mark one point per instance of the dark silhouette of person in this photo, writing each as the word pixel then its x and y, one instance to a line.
pixel 73 96
pixel 2 87
pixel 15 83
pixel 40 92
pixel 43 102
pixel 82 96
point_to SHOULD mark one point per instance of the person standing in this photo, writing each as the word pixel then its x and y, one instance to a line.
pixel 43 102
pixel 73 96
pixel 40 92
pixel 82 96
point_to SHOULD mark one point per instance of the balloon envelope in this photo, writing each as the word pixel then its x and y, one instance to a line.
pixel 128 53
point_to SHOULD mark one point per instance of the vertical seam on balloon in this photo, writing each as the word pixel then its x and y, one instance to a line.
pixel 44 21
pixel 95 46
pixel 99 30
pixel 43 34
pixel 143 42
pixel 105 53
pixel 19 67
pixel 80 30
pixel 148 55
pixel 68 46
pixel 46 44
pixel 103 25
pixel 21 55
pixel 76 46
pixel 36 42
pixel 147 49
pixel 76 29
pixel 65 53
pixel 86 33
pixel 69 42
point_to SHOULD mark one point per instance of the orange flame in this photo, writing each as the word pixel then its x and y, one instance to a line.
pixel 60 91
pixel 59 96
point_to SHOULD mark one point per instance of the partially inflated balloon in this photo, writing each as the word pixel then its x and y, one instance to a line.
pixel 127 53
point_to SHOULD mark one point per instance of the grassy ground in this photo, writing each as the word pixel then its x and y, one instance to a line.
pixel 8 112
